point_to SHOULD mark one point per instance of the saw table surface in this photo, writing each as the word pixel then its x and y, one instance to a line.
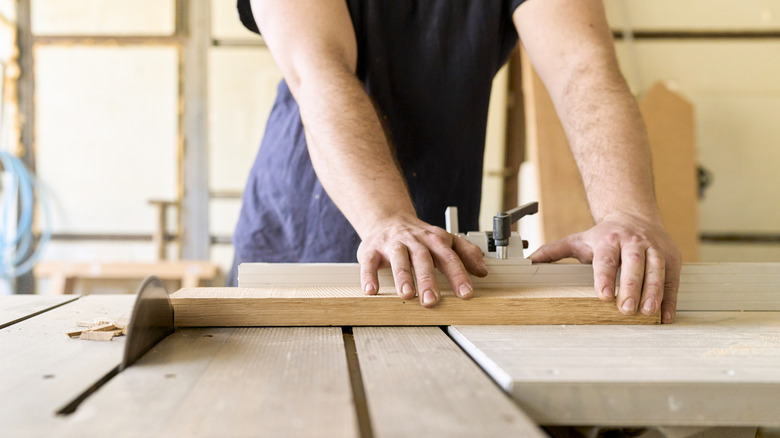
pixel 708 369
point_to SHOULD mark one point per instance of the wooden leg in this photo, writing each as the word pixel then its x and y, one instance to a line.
pixel 61 284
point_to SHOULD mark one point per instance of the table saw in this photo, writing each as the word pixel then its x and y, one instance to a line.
pixel 717 366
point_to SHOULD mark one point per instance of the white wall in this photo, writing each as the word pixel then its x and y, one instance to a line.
pixel 734 87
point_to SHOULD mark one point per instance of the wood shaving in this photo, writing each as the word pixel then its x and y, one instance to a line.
pixel 101 329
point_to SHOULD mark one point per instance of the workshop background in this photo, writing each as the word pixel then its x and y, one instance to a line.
pixel 139 121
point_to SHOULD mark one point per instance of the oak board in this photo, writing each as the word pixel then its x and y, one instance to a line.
pixel 349 306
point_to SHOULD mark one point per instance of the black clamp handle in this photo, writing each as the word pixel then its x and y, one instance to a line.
pixel 502 222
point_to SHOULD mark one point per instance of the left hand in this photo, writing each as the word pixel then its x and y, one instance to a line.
pixel 650 263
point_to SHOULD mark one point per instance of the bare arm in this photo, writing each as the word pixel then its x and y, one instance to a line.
pixel 570 45
pixel 314 45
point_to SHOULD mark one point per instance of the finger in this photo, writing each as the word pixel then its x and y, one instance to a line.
pixel 369 264
pixel 450 265
pixel 470 255
pixel 606 259
pixel 632 274
pixel 671 287
pixel 653 285
pixel 422 264
pixel 553 251
pixel 402 271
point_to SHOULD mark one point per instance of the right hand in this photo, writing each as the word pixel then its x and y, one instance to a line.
pixel 413 250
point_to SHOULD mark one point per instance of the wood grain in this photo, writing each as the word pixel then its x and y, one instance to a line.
pixel 419 383
pixel 349 306
pixel 14 308
pixel 42 370
pixel 228 382
pixel 706 369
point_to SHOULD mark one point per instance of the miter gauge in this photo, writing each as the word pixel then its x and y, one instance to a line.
pixel 502 243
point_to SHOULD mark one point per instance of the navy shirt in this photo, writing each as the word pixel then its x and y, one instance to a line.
pixel 428 65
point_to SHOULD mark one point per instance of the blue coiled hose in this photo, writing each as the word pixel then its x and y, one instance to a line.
pixel 16 257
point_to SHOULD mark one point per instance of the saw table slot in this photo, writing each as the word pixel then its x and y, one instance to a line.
pixel 207 382
pixel 17 308
pixel 418 382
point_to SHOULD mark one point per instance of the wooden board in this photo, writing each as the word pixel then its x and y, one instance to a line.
pixel 15 308
pixel 706 369
pixel 670 129
pixel 419 383
pixel 42 370
pixel 349 306
pixel 703 286
pixel 228 382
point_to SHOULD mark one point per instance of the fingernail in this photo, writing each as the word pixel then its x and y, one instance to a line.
pixel 370 289
pixel 407 290
pixel 667 317
pixel 629 305
pixel 429 297
pixel 465 290
pixel 649 306
pixel 607 292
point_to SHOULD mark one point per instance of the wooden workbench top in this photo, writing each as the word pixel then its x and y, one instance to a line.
pixel 709 368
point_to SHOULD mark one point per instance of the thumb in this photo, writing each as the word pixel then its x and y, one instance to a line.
pixel 553 251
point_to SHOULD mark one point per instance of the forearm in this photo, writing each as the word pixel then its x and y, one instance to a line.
pixel 314 46
pixel 609 142
pixel 348 148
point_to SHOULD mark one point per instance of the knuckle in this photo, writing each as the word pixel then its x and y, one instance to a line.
pixel 630 283
pixel 398 248
pixel 612 238
pixel 609 262
pixel 604 280
pixel 437 240
pixel 370 257
pixel 656 260
pixel 450 258
pixel 633 257
pixel 637 238
pixel 654 286
pixel 401 271
pixel 426 278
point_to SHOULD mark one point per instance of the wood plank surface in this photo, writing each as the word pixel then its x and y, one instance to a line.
pixel 703 286
pixel 42 369
pixel 706 369
pixel 419 383
pixel 14 308
pixel 228 382
pixel 349 306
